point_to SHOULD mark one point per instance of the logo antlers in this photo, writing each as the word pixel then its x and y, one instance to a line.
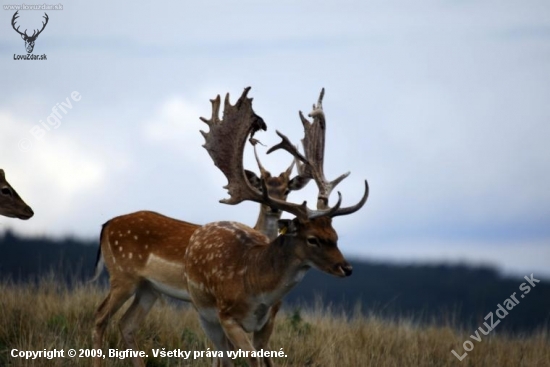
pixel 29 40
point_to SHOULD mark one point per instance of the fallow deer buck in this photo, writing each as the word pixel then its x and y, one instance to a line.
pixel 236 276
pixel 143 253
pixel 11 204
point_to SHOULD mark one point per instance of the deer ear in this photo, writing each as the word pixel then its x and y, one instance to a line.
pixel 298 183
pixel 286 227
pixel 253 179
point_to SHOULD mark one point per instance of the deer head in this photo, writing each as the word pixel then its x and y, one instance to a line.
pixel 11 204
pixel 278 187
pixel 29 40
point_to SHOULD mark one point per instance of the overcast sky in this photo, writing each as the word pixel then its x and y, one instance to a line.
pixel 442 105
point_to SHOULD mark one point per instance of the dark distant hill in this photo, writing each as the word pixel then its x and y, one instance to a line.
pixel 427 293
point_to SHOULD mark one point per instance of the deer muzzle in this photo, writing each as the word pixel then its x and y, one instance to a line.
pixel 343 269
pixel 28 213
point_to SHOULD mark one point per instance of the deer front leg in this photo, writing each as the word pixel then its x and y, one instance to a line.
pixel 262 336
pixel 144 299
pixel 216 334
pixel 237 336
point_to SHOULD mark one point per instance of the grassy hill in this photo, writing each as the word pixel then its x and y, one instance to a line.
pixel 49 314
pixel 433 294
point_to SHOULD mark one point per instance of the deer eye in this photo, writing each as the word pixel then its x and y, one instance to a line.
pixel 6 191
pixel 313 241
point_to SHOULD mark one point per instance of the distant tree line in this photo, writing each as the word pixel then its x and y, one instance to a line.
pixel 459 294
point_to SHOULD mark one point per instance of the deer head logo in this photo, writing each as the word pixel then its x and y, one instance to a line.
pixel 29 40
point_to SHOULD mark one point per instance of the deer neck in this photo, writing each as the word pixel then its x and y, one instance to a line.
pixel 267 222
pixel 276 270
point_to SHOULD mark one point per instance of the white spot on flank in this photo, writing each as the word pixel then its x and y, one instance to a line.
pixel 129 231
pixel 129 255
pixel 120 248
pixel 135 238
pixel 116 243
pixel 146 247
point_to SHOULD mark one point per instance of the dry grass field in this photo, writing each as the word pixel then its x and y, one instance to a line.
pixel 49 316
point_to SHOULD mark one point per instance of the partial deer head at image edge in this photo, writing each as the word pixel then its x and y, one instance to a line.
pixel 11 204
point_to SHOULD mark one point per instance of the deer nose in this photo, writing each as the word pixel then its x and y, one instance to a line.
pixel 347 268
pixel 28 213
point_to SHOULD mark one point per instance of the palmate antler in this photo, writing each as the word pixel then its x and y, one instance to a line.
pixel 226 139
pixel 225 143
pixel 313 162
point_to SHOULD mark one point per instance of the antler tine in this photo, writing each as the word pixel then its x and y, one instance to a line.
pixel 45 16
pixel 215 112
pixel 302 164
pixel 317 111
pixel 354 208
pixel 262 169
pixel 288 171
pixel 285 144
pixel 13 19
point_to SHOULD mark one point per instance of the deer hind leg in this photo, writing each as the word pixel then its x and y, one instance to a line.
pixel 215 333
pixel 115 299
pixel 238 337
pixel 262 336
pixel 143 301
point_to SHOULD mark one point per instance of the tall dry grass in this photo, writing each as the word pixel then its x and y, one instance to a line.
pixel 49 315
